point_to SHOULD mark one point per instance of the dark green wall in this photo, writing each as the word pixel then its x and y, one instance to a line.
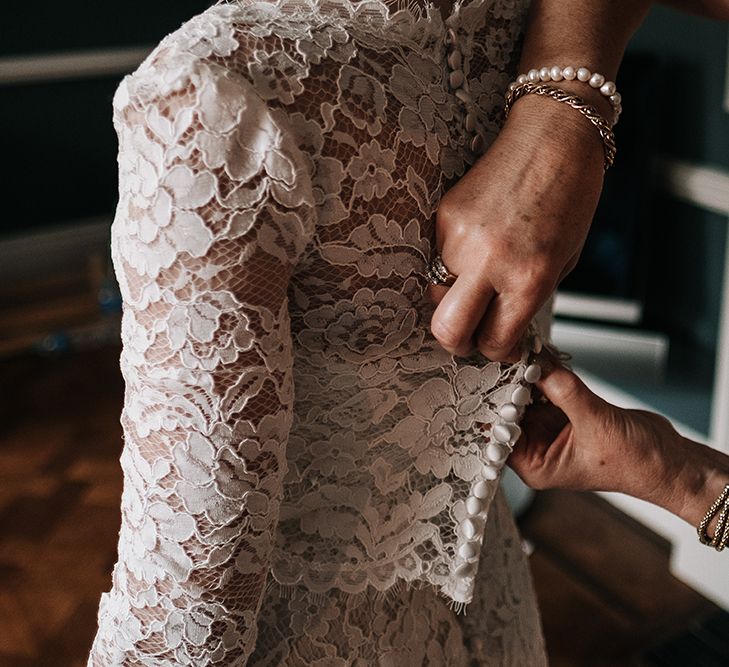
pixel 687 254
pixel 43 25
pixel 58 136
pixel 697 48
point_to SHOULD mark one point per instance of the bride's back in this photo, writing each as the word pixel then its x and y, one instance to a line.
pixel 288 411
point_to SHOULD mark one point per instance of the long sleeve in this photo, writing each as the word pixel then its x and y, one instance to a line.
pixel 215 211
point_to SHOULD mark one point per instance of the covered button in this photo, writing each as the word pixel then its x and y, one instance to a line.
pixel 496 452
pixel 533 372
pixel 470 121
pixel 462 95
pixel 468 550
pixel 473 505
pixel 477 143
pixel 509 412
pixel 464 569
pixel 521 396
pixel 489 472
pixel 502 433
pixel 469 528
pixel 455 59
pixel 480 489
pixel 456 78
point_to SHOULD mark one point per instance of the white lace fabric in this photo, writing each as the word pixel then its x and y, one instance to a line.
pixel 298 446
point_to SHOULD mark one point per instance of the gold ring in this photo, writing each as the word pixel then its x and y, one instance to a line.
pixel 438 274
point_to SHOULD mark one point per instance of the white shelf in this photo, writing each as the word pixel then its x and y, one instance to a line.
pixel 571 304
pixel 71 65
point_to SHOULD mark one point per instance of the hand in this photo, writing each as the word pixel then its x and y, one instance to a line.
pixel 514 225
pixel 580 441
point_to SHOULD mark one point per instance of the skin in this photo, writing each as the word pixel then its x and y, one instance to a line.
pixel 580 441
pixel 515 224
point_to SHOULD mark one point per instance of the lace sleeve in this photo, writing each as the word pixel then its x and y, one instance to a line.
pixel 215 212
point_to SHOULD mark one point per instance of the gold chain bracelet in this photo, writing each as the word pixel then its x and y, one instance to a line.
pixel 586 109
pixel 721 533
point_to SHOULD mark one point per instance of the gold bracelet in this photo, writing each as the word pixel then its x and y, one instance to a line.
pixel 587 110
pixel 721 534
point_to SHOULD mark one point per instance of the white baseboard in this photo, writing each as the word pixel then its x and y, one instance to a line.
pixel 613 350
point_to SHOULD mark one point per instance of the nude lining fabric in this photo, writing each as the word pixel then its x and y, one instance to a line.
pixel 297 445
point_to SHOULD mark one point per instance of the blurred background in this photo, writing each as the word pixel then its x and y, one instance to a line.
pixel 645 316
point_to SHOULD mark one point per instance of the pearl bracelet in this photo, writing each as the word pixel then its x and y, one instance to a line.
pixel 556 73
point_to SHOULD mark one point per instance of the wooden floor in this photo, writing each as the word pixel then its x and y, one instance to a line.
pixel 603 584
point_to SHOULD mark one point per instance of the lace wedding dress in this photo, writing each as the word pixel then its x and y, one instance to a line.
pixel 309 477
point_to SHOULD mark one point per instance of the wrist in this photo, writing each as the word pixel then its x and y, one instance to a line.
pixel 591 95
pixel 698 484
pixel 571 137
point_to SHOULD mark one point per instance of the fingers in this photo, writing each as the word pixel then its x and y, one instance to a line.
pixel 543 428
pixel 567 391
pixel 458 313
pixel 471 318
pixel 500 332
pixel 437 292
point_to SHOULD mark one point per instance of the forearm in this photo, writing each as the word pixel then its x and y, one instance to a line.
pixel 574 32
pixel 593 34
pixel 699 482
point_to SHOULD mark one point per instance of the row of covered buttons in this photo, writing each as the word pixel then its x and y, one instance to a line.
pixel 505 434
pixel 458 82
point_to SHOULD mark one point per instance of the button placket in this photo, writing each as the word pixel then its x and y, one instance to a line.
pixel 504 435
pixel 507 432
pixel 459 84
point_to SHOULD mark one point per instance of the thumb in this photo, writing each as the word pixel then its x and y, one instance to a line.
pixel 567 391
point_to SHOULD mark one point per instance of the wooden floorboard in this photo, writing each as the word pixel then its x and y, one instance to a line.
pixel 603 583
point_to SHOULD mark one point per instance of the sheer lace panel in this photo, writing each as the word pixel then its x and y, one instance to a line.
pixel 291 425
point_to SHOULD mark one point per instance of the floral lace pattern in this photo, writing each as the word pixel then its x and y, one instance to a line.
pixel 299 449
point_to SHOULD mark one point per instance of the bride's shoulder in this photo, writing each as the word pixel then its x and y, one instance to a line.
pixel 270 44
